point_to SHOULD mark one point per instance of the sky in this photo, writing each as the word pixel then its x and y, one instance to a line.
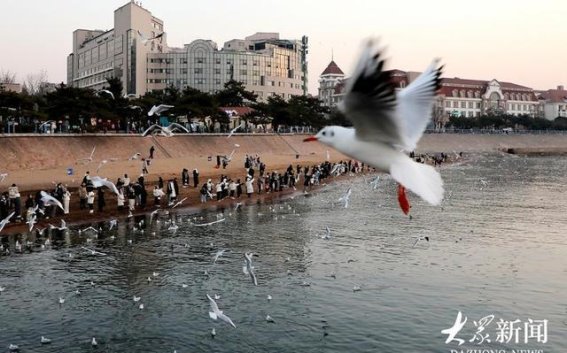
pixel 521 41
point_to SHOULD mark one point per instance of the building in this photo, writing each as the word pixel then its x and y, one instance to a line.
pixel 457 97
pixel 11 87
pixel 136 51
pixel 554 102
pixel 329 79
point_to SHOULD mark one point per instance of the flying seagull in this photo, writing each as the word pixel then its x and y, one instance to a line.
pixel 99 182
pixel 215 313
pixel 90 158
pixel 346 197
pixel 248 269
pixel 166 131
pixel 386 123
pixel 235 129
pixel 159 109
pixel 50 200
pixel 5 221
pixel 105 91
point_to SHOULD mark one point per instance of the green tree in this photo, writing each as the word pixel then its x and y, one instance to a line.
pixel 235 94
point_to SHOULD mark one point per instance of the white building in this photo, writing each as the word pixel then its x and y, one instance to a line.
pixel 555 102
pixel 329 79
pixel 136 51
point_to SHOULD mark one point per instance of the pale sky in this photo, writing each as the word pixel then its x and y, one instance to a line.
pixel 521 41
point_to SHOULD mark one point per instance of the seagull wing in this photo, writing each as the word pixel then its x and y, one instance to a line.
pixel 415 104
pixel 92 152
pixel 50 200
pixel 226 319
pixel 176 126
pixel 151 129
pixel 162 108
pixel 370 101
pixel 214 306
pixel 152 110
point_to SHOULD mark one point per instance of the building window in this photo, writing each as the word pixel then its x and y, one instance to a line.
pixel 243 62
pixel 243 72
pixel 255 62
pixel 217 71
pixel 183 71
pixel 183 61
pixel 470 105
pixel 217 61
pixel 200 60
pixel 200 81
pixel 463 104
pixel 217 81
pixel 198 70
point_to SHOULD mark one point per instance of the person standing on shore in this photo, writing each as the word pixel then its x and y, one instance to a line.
pixel 185 177
pixel 131 193
pixel 100 200
pixel 238 188
pixel 126 180
pixel 249 186
pixel 195 178
pixel 66 200
pixel 90 201
pixel 204 193
pixel 120 198
pixel 152 149
pixel 83 196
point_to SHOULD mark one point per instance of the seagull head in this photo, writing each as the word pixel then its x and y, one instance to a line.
pixel 329 135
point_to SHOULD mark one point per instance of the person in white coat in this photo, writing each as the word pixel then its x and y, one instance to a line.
pixel 249 186
pixel 90 201
pixel 66 200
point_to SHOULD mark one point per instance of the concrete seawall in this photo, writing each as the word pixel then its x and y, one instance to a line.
pixel 34 160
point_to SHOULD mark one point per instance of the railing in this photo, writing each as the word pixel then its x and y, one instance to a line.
pixel 497 132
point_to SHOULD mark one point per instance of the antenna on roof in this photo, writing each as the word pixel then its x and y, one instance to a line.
pixel 332 55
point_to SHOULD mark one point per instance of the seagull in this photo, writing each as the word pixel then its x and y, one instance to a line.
pixel 269 297
pixel 145 40
pixel 45 340
pixel 159 109
pixel 113 223
pixel 6 221
pixel 417 239
pixel 99 182
pixel 2 289
pixel 179 203
pixel 356 288
pixel 90 158
pixel 88 229
pixel 173 226
pixel 327 234
pixel 213 332
pixel 218 254
pixel 103 162
pixel 374 183
pixel 137 299
pixel 135 156
pixel 270 319
pixel 105 91
pixel 141 306
pixel 208 224
pixel 166 131
pixel 63 226
pixel 61 300
pixel 13 348
pixel 386 123
pixel 50 200
pixel 248 269
pixel 93 252
pixel 93 342
pixel 32 221
pixel 3 176
pixel 235 129
pixel 346 197
pixel 215 313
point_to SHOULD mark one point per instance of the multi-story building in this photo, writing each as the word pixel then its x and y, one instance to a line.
pixel 554 102
pixel 460 97
pixel 265 63
pixel 329 79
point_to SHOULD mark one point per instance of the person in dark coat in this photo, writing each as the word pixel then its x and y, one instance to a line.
pixel 152 149
pixel 185 177
pixel 195 178
pixel 100 200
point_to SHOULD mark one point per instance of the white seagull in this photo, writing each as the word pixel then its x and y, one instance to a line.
pixel 166 131
pixel 101 164
pixel 6 221
pixel 50 200
pixel 100 182
pixel 135 156
pixel 248 269
pixel 179 203
pixel 386 123
pixel 235 129
pixel 113 223
pixel 417 239
pixel 159 109
pixel 346 197
pixel 45 340
pixel 3 176
pixel 90 158
pixel 327 234
pixel 217 255
pixel 215 313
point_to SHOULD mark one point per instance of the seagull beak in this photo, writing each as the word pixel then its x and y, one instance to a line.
pixel 311 138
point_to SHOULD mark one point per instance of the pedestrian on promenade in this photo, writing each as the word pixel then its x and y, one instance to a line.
pixel 100 200
pixel 195 178
pixel 249 186
pixel 66 200
pixel 90 201
pixel 152 149
pixel 83 196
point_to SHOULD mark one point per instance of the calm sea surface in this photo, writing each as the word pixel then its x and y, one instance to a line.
pixel 498 246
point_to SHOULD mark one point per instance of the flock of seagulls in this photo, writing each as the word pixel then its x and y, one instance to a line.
pixel 386 124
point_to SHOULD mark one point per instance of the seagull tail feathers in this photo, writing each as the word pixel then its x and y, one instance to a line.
pixel 421 179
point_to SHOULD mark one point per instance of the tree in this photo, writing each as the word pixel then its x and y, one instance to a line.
pixel 35 84
pixel 235 94
pixel 7 77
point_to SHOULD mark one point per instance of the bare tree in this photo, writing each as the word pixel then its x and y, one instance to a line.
pixel 7 76
pixel 35 83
